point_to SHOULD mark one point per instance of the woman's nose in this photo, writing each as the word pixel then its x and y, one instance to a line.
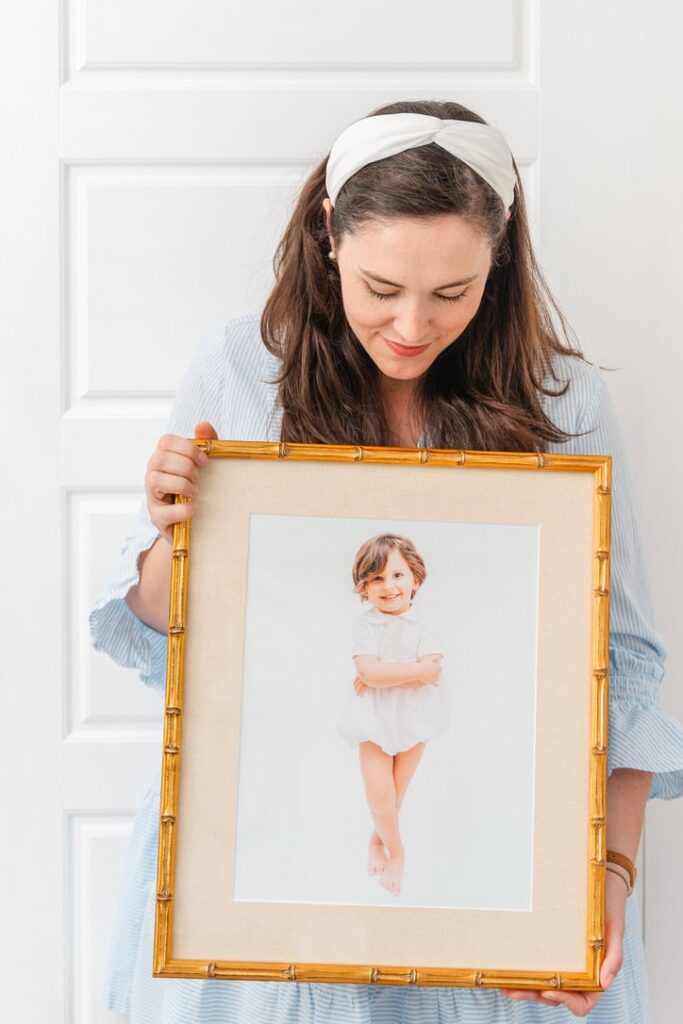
pixel 412 323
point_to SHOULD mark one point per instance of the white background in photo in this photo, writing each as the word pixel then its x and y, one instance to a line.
pixel 467 820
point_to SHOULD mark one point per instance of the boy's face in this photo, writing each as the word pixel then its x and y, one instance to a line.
pixel 390 589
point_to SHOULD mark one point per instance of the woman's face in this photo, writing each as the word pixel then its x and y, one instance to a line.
pixel 433 272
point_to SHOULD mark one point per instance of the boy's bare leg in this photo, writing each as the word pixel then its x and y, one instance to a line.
pixel 377 769
pixel 405 763
pixel 377 858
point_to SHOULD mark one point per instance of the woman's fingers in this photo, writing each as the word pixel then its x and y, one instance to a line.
pixel 578 1003
pixel 615 925
pixel 174 452
pixel 581 1003
pixel 163 486
pixel 205 431
pixel 531 995
pixel 174 464
pixel 167 515
pixel 173 469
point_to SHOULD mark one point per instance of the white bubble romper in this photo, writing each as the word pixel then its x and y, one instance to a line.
pixel 394 717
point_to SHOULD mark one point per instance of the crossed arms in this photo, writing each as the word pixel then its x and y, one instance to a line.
pixel 424 671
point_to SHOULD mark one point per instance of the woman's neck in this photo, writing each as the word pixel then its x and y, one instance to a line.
pixel 404 430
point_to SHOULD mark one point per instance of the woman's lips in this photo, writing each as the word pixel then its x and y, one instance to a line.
pixel 405 350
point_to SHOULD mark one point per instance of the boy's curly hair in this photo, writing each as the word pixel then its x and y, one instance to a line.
pixel 372 556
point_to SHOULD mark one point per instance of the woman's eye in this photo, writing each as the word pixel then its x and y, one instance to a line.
pixel 390 295
pixel 380 295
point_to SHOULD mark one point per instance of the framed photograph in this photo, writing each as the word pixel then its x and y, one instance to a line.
pixel 385 737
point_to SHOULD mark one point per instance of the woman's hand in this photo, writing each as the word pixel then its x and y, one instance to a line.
pixel 581 1003
pixel 173 468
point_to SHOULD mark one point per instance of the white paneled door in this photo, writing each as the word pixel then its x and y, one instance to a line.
pixel 150 156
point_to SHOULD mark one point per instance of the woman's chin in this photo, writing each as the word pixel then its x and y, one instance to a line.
pixel 397 375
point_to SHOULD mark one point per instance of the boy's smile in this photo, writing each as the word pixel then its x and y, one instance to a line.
pixel 391 589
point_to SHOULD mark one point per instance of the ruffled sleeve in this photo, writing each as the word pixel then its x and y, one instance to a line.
pixel 114 628
pixel 641 734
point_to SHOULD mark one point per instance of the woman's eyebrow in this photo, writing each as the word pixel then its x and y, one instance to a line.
pixel 382 280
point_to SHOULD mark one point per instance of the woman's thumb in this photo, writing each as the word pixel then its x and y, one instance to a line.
pixel 205 431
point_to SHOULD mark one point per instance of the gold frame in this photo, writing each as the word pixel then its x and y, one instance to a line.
pixel 165 965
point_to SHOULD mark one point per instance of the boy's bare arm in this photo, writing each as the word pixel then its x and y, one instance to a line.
pixel 422 682
pixel 378 673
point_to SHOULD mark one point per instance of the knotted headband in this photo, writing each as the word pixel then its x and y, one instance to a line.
pixel 373 138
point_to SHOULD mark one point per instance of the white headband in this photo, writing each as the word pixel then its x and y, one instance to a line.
pixel 373 138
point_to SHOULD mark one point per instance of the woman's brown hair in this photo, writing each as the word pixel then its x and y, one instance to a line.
pixel 484 390
pixel 372 556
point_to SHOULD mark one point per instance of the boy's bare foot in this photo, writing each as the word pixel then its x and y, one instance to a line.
pixel 377 858
pixel 392 874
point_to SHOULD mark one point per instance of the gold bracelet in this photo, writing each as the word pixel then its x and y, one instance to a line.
pixel 625 862
pixel 623 874
pixel 622 865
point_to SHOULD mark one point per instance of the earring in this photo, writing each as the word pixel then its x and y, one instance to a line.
pixel 332 254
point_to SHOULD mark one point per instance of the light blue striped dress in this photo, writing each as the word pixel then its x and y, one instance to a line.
pixel 225 384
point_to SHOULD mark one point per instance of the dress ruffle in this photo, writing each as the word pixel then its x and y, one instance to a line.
pixel 643 736
pixel 113 626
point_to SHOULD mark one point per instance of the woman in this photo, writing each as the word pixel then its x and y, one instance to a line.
pixel 408 310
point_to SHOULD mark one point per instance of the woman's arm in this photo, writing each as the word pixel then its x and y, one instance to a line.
pixel 627 791
pixel 115 628
pixel 639 731
pixel 149 600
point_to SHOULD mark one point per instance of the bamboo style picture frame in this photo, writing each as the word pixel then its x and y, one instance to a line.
pixel 260 872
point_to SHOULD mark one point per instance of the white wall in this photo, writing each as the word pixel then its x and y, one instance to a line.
pixel 149 167
pixel 611 222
